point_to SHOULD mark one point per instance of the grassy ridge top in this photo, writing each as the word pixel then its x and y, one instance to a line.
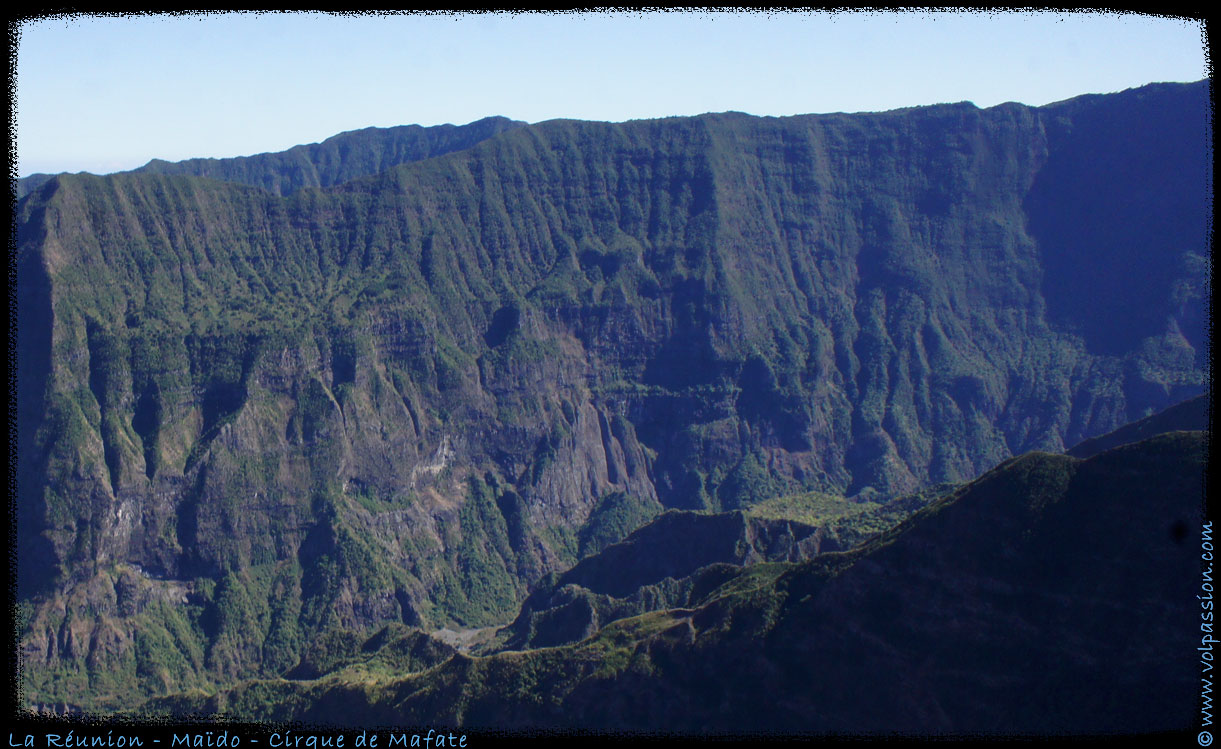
pixel 337 159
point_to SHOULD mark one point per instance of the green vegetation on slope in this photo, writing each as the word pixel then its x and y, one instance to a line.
pixel 413 395
pixel 1002 603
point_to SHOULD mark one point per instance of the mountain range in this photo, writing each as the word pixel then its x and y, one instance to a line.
pixel 681 388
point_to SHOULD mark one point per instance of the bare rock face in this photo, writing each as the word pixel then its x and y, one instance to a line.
pixel 412 394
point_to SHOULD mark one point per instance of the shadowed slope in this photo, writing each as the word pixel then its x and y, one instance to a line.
pixel 1046 597
pixel 1189 415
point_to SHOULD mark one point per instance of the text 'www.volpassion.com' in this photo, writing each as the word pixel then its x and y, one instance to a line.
pixel 1205 737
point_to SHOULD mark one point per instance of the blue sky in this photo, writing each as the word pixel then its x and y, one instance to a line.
pixel 103 94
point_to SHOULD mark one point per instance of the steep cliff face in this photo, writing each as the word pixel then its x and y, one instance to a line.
pixel 411 395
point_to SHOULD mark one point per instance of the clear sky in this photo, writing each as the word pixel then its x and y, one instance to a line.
pixel 103 94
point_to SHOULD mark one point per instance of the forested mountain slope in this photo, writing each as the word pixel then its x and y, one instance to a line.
pixel 1021 604
pixel 247 420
